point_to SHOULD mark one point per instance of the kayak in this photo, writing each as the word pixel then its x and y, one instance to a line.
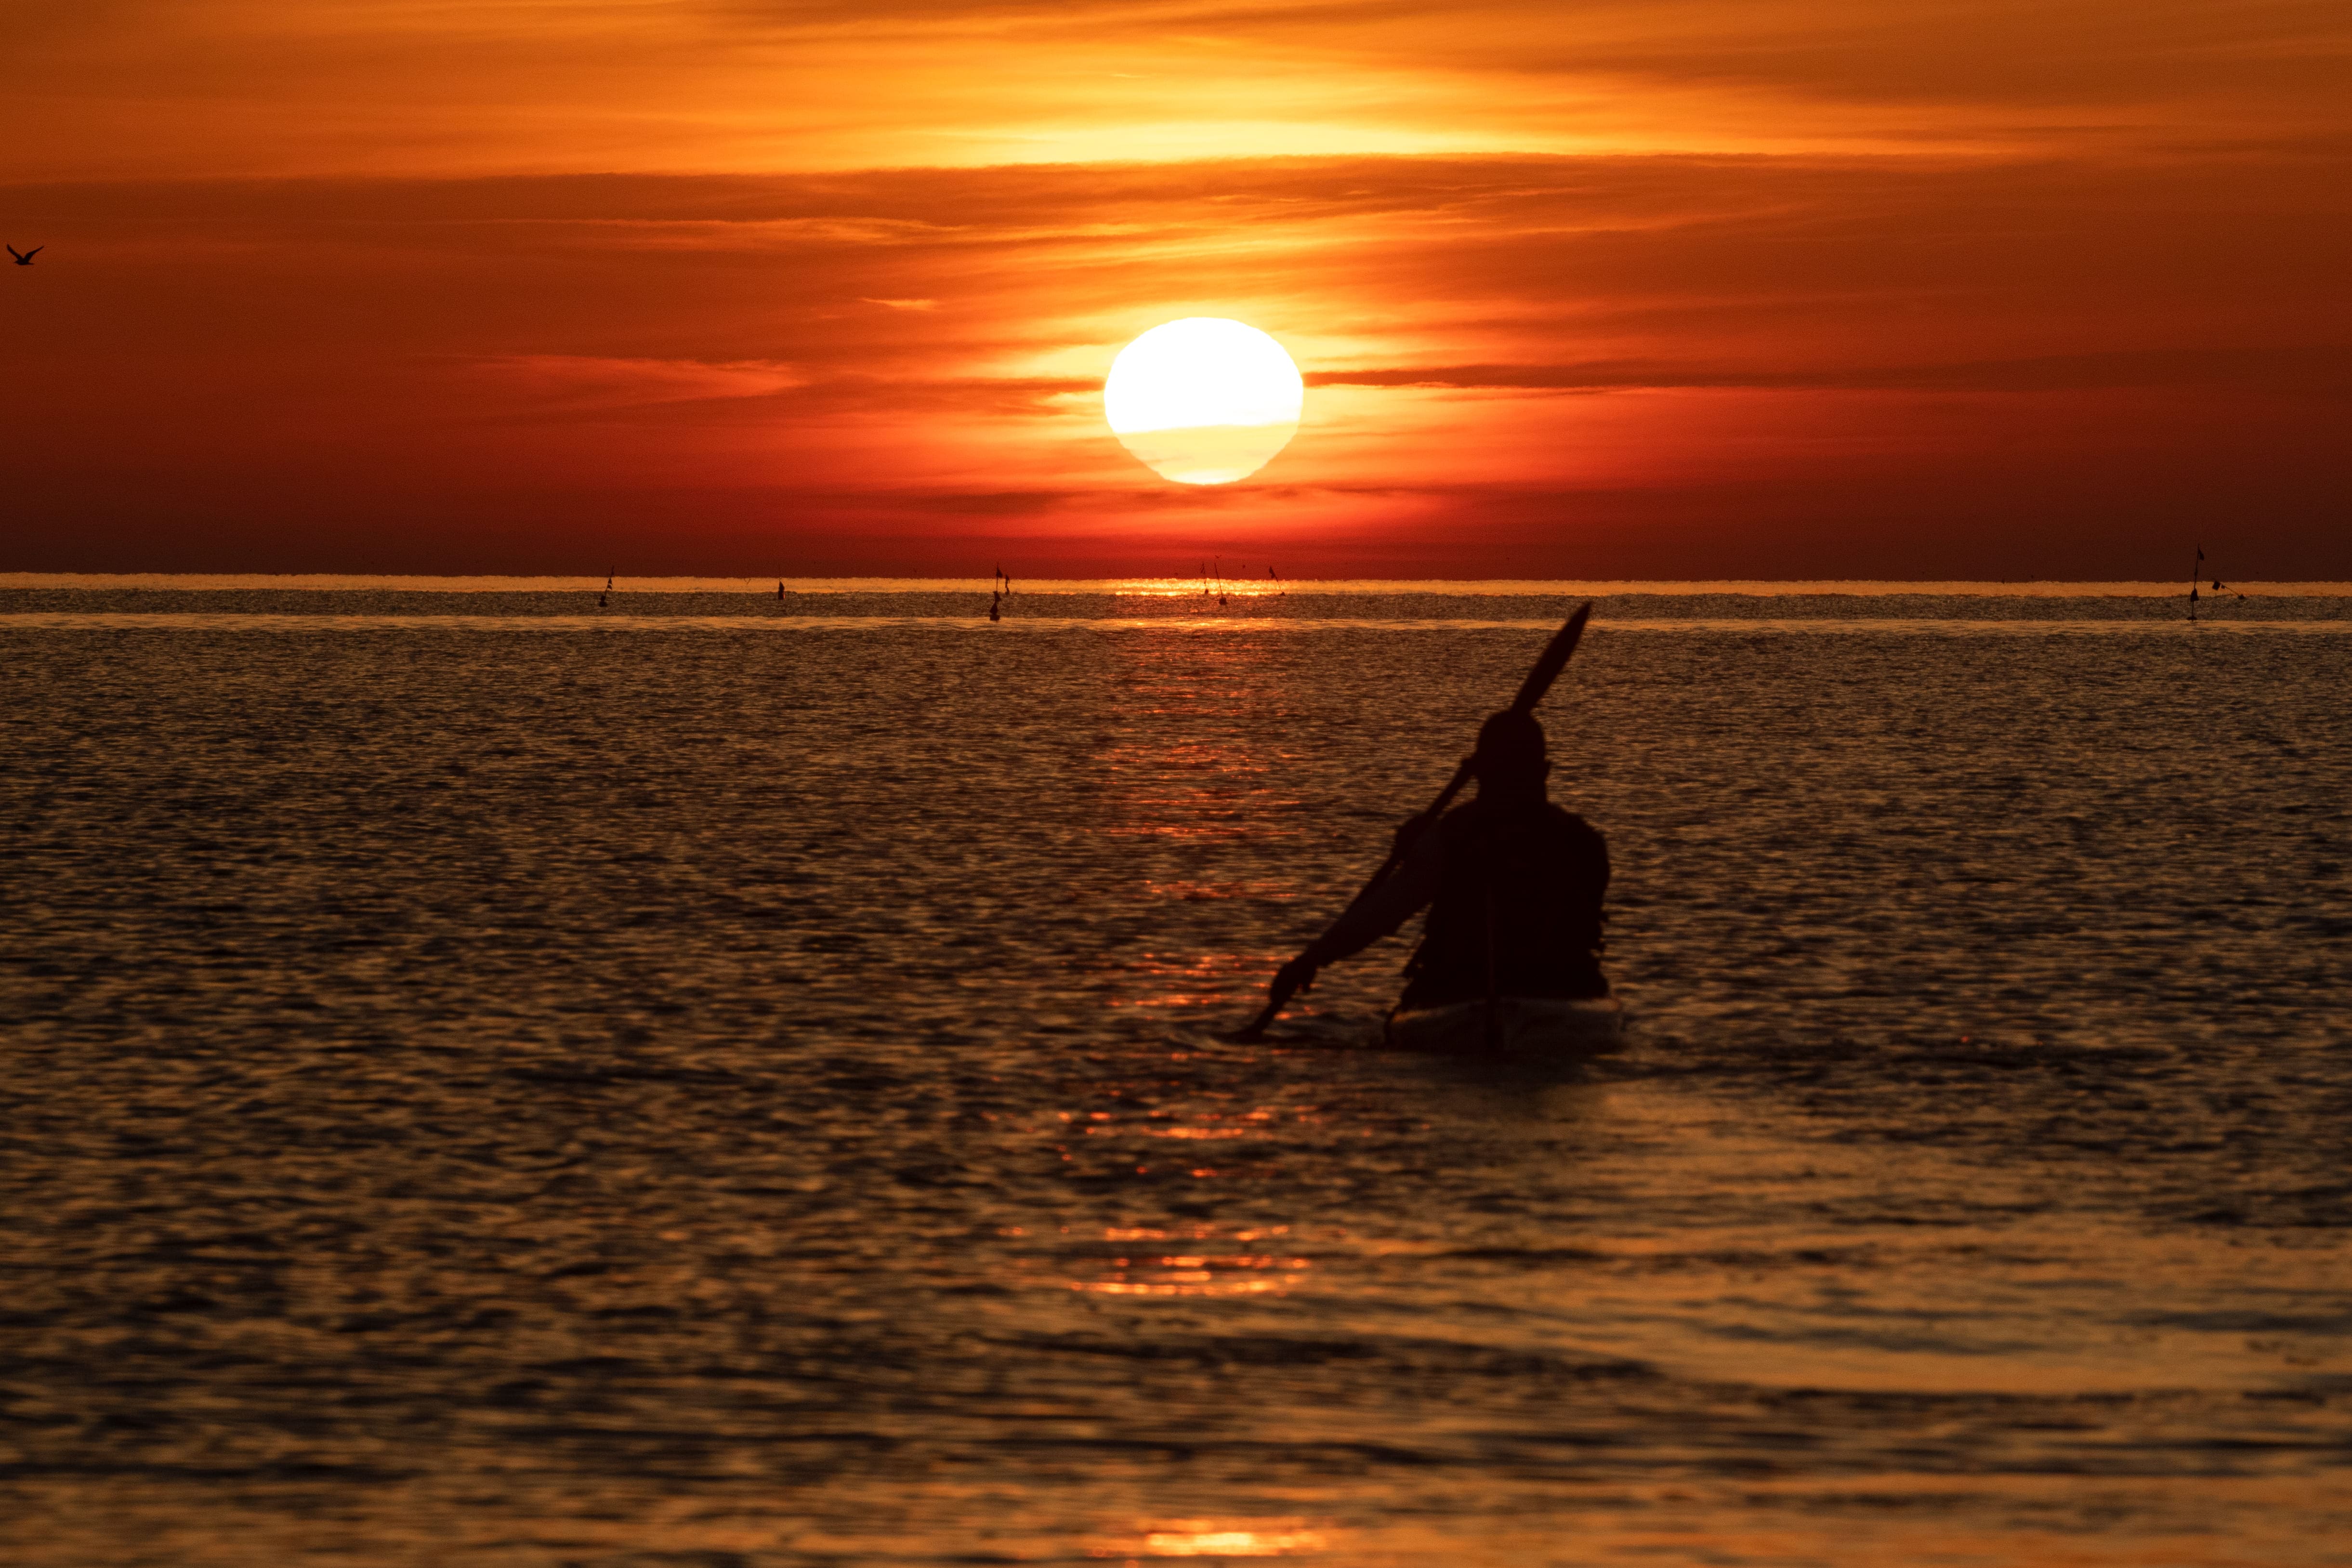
pixel 1533 1028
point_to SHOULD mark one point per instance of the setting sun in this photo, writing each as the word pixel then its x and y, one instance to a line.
pixel 1204 401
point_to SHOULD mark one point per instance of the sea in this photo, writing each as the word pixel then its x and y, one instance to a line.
pixel 520 1073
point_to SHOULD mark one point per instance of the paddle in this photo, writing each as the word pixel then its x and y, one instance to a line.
pixel 1554 659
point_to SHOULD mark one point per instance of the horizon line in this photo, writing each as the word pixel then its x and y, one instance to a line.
pixel 1140 585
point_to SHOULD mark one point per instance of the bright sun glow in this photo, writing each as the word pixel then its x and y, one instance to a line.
pixel 1204 401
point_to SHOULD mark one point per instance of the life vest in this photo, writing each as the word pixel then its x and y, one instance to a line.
pixel 1521 889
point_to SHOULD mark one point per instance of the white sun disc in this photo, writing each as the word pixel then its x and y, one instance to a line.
pixel 1204 401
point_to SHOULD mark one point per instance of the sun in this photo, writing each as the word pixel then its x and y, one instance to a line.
pixel 1204 401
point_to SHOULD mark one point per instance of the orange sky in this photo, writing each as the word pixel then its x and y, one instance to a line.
pixel 1634 289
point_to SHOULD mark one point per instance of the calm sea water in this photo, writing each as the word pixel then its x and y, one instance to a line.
pixel 491 1080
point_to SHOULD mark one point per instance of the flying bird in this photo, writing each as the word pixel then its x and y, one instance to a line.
pixel 25 257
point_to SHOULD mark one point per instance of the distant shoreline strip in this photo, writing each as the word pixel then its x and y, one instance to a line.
pixel 124 621
pixel 1158 587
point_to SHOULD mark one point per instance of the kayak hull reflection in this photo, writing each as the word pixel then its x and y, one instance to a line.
pixel 1541 1028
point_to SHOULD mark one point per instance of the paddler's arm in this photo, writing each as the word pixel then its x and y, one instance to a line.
pixel 1377 914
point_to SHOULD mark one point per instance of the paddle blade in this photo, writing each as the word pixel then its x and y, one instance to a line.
pixel 1555 659
pixel 1254 1032
pixel 1278 997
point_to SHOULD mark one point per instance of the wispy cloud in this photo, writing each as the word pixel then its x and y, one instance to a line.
pixel 572 383
pixel 280 86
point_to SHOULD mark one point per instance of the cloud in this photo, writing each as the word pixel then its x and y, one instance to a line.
pixel 405 87
pixel 575 384
pixel 2312 371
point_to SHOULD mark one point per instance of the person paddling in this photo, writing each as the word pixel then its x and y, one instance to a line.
pixel 1513 884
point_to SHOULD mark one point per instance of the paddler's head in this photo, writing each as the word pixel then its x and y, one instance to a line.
pixel 1510 762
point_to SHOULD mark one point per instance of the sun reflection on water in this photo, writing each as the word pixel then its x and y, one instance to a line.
pixel 1232 1542
pixel 1198 1270
pixel 1175 983
pixel 1209 1538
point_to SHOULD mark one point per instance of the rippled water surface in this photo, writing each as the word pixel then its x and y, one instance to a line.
pixel 741 1094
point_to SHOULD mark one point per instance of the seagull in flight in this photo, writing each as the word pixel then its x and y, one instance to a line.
pixel 25 257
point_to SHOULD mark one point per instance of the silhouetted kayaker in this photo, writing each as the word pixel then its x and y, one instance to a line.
pixel 1513 883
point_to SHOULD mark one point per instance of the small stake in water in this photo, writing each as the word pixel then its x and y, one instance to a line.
pixel 2217 590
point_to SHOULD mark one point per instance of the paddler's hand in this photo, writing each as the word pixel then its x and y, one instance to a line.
pixel 1408 833
pixel 1296 975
